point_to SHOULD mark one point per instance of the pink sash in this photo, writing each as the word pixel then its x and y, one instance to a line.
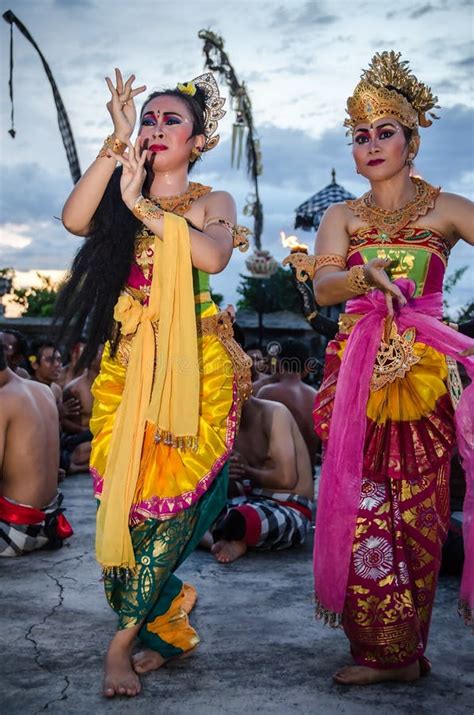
pixel 341 476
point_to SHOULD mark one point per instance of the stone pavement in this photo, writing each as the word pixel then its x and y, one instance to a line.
pixel 261 650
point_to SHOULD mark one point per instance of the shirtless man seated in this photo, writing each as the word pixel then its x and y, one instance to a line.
pixel 30 505
pixel 16 349
pixel 275 512
pixel 291 391
pixel 76 443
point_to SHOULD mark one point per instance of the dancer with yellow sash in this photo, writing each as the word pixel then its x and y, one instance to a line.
pixel 390 407
pixel 168 397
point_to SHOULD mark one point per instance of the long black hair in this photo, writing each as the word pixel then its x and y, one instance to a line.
pixel 100 268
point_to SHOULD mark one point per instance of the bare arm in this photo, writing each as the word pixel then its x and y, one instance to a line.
pixel 87 194
pixel 330 282
pixel 461 215
pixel 210 249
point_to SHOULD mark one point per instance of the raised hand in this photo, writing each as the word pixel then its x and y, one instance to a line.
pixel 375 272
pixel 133 173
pixel 121 105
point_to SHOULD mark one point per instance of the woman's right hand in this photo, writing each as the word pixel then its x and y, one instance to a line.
pixel 121 105
pixel 376 276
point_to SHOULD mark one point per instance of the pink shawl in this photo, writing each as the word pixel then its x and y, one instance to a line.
pixel 341 477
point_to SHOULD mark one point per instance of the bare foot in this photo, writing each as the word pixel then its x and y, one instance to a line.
pixel 227 551
pixel 147 660
pixel 120 678
pixel 361 675
pixel 207 541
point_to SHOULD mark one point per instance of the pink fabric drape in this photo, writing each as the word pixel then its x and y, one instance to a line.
pixel 341 476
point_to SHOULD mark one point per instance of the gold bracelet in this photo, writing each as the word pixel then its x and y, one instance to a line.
pixel 114 144
pixel 144 208
pixel 357 280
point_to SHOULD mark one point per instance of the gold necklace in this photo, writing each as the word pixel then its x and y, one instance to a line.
pixel 181 203
pixel 390 223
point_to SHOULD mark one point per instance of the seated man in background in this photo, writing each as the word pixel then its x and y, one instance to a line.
pixel 291 391
pixel 68 371
pixel 76 442
pixel 270 455
pixel 261 370
pixel 44 364
pixel 30 504
pixel 16 350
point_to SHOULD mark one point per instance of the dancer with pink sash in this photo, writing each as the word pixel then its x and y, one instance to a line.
pixel 391 405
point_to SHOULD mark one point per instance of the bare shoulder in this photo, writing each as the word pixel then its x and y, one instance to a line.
pixel 453 202
pixel 37 389
pixel 274 409
pixel 333 231
pixel 339 211
pixel 219 201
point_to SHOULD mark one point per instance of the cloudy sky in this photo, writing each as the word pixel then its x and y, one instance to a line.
pixel 300 60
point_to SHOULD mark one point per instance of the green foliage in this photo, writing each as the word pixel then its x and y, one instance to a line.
pixel 270 294
pixel 217 298
pixel 7 273
pixel 37 302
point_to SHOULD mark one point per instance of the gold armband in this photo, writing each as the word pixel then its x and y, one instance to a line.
pixel 114 144
pixel 357 280
pixel 330 259
pixel 144 208
pixel 240 234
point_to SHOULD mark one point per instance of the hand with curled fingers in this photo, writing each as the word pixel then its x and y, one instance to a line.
pixel 133 173
pixel 375 273
pixel 121 105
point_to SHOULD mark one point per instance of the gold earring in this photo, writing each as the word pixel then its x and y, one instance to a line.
pixel 195 154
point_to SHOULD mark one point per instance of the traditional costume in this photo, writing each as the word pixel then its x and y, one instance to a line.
pixel 166 410
pixel 24 529
pixel 265 519
pixel 385 411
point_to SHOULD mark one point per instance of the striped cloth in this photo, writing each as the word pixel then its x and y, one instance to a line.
pixel 19 538
pixel 273 520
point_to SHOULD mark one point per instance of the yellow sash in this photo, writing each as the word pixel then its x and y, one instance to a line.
pixel 161 386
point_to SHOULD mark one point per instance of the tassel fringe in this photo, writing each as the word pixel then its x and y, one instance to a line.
pixel 119 573
pixel 329 618
pixel 182 443
pixel 466 613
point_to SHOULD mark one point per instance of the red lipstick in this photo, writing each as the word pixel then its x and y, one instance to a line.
pixel 157 147
pixel 375 162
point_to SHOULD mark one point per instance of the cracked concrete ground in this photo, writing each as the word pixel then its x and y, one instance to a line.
pixel 261 650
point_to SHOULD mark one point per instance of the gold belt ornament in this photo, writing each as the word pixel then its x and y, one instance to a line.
pixel 395 357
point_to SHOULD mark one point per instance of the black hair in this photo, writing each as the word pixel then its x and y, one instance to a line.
pixel 293 355
pixel 239 335
pixel 86 300
pixel 36 350
pixel 3 357
pixel 22 345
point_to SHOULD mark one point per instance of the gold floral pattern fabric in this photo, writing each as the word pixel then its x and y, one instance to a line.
pixel 396 556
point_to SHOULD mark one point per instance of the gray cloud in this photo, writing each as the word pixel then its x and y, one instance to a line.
pixel 423 10
pixel 307 17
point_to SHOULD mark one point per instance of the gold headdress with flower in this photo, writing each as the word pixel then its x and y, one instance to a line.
pixel 213 104
pixel 388 88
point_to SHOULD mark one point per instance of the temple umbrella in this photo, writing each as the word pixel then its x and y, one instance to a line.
pixel 309 214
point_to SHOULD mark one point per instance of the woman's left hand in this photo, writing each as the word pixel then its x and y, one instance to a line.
pixel 133 173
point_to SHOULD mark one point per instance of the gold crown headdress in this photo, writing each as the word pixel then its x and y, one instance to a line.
pixel 388 88
pixel 213 104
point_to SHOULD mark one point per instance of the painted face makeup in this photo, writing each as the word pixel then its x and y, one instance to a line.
pixel 381 147
pixel 166 129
